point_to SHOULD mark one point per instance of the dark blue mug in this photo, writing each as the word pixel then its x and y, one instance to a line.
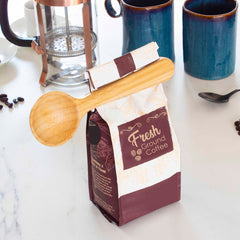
pixel 209 38
pixel 146 21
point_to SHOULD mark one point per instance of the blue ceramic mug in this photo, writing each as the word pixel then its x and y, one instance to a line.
pixel 209 38
pixel 145 21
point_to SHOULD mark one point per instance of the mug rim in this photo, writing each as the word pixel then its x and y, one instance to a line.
pixel 169 2
pixel 227 14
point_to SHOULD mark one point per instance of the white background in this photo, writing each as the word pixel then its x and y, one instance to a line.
pixel 44 191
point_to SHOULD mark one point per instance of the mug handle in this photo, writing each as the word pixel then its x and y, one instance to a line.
pixel 6 29
pixel 110 10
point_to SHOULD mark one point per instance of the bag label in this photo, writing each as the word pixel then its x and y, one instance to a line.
pixel 145 138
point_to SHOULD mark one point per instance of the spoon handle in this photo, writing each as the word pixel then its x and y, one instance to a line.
pixel 153 74
pixel 233 92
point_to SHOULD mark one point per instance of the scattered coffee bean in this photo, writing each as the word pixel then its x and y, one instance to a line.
pixel 10 105
pixel 4 99
pixel 237 123
pixel 3 95
pixel 15 100
pixel 237 126
pixel 20 99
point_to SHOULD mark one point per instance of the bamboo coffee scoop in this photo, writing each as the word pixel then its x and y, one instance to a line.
pixel 55 117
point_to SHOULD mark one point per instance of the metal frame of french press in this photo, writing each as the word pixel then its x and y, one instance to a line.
pixel 41 49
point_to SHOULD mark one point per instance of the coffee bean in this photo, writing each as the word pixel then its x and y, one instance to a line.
pixel 138 158
pixel 10 105
pixel 239 133
pixel 15 100
pixel 4 99
pixel 237 123
pixel 133 153
pixel 238 128
pixel 20 99
pixel 3 95
pixel 139 151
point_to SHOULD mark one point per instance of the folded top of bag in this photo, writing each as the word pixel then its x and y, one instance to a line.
pixel 122 66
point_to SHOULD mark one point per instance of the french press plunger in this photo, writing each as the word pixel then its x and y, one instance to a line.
pixel 67 41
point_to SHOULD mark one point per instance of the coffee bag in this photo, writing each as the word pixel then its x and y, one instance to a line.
pixel 133 156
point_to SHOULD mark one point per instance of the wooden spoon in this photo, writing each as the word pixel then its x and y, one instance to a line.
pixel 55 117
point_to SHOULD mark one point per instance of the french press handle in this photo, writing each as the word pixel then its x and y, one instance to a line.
pixel 7 31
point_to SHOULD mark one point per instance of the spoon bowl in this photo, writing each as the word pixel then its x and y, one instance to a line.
pixel 53 112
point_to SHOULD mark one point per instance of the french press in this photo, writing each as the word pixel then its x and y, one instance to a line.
pixel 67 41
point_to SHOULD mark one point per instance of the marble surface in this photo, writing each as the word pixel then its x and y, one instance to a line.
pixel 44 192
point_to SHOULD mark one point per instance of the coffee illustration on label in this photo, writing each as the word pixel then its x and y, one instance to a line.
pixel 145 138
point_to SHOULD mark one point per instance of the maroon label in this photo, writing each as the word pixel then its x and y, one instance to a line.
pixel 145 138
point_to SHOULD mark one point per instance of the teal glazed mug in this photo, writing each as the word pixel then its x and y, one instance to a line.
pixel 209 38
pixel 145 21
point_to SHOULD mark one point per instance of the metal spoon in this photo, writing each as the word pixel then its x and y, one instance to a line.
pixel 217 98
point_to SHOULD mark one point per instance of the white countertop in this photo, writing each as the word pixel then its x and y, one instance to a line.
pixel 44 191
